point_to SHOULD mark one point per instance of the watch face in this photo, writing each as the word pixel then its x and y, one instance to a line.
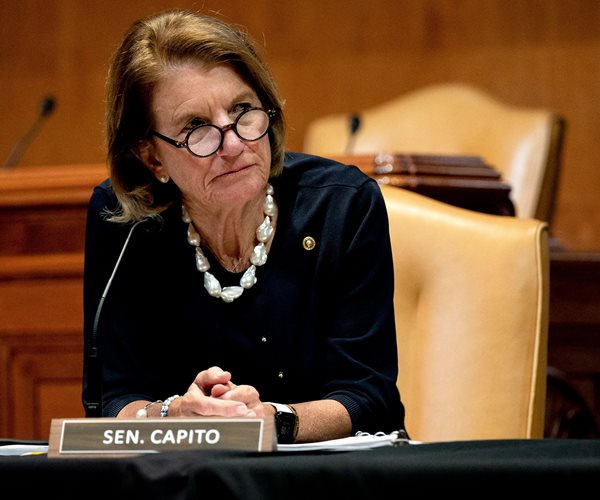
pixel 286 427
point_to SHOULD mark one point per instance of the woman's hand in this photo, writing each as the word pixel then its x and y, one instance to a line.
pixel 213 394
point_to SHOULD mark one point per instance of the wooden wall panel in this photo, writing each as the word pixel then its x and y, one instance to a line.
pixel 42 229
pixel 329 57
pixel 41 339
pixel 46 383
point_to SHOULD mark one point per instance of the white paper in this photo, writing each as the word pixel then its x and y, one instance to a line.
pixel 362 441
pixel 23 449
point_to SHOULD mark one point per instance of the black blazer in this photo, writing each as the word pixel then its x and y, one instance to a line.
pixel 318 324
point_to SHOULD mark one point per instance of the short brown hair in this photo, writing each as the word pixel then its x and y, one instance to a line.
pixel 149 47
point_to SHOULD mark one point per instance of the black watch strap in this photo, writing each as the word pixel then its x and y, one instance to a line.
pixel 286 423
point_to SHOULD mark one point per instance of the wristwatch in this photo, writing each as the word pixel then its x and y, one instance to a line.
pixel 286 423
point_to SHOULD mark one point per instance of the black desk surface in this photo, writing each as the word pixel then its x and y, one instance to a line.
pixel 477 467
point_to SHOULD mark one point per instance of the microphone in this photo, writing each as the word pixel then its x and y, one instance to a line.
pixel 354 124
pixel 47 106
pixel 93 399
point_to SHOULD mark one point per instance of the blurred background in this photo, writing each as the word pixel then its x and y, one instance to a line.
pixel 328 57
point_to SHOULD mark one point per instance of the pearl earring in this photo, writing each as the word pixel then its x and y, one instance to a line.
pixel 164 179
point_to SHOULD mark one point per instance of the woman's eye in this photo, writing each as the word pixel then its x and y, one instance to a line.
pixel 196 122
pixel 241 107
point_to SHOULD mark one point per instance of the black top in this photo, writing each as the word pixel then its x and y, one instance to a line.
pixel 318 324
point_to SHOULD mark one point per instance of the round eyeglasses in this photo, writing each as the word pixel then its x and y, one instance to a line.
pixel 205 140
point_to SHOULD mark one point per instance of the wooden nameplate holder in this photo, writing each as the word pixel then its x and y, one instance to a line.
pixel 101 437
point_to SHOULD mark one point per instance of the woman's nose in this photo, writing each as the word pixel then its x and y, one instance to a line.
pixel 232 144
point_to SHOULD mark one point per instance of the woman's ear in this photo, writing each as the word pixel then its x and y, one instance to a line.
pixel 144 152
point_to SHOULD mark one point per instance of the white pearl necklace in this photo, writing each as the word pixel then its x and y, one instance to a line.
pixel 258 257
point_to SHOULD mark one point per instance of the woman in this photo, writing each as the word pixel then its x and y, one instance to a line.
pixel 268 287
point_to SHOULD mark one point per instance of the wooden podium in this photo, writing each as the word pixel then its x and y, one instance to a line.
pixel 42 230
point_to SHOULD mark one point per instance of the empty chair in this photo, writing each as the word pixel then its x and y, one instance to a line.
pixel 471 301
pixel 523 144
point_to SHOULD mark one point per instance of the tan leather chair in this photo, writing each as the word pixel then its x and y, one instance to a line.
pixel 523 144
pixel 471 302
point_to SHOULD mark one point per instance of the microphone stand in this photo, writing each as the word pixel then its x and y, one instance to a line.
pixel 46 109
pixel 93 402
pixel 354 125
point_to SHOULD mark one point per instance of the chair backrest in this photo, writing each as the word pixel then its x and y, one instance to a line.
pixel 523 144
pixel 471 301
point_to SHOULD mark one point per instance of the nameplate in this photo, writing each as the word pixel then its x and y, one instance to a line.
pixel 119 437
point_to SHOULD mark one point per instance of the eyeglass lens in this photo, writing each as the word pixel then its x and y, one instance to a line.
pixel 250 125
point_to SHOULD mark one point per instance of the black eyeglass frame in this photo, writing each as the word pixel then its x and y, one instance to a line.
pixel 232 126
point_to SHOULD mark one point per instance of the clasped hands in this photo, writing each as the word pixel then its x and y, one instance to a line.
pixel 214 394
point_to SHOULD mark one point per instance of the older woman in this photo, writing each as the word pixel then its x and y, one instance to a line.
pixel 268 287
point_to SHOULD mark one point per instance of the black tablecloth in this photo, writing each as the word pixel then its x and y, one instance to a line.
pixel 508 467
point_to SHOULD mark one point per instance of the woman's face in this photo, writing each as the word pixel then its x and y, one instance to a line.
pixel 191 94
